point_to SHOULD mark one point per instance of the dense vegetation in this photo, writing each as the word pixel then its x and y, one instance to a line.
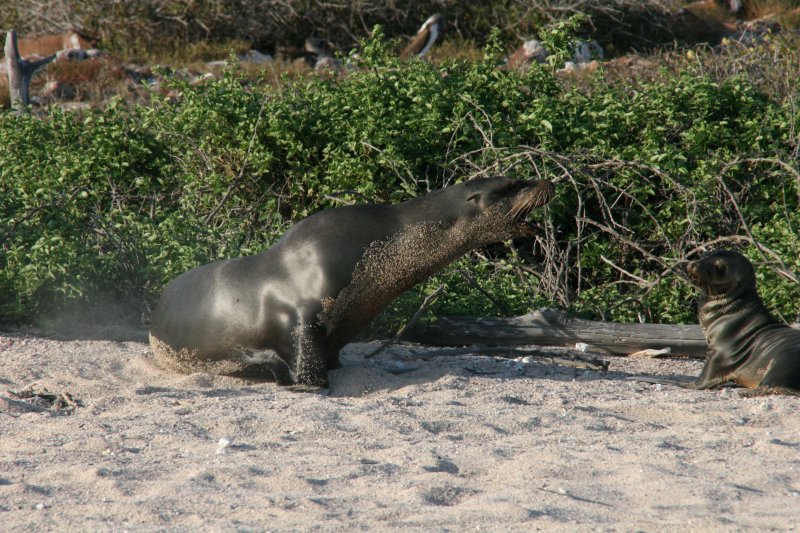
pixel 147 27
pixel 649 173
pixel 143 29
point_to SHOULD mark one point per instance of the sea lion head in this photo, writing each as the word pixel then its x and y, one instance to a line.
pixel 722 273
pixel 507 201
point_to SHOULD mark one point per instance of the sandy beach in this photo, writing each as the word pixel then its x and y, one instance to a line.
pixel 455 443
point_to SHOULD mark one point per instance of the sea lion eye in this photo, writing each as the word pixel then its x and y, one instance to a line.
pixel 721 269
pixel 474 197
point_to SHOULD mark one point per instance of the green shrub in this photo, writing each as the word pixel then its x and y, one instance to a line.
pixel 122 200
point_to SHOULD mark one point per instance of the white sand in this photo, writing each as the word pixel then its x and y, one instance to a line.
pixel 467 443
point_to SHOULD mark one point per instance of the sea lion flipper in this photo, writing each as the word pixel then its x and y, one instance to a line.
pixel 704 384
pixel 310 355
pixel 311 389
pixel 713 373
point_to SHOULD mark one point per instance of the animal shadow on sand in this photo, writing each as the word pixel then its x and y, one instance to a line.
pixel 394 370
pixel 399 368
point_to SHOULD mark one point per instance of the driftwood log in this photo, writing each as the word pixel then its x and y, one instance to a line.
pixel 549 327
pixel 20 72
pixel 559 356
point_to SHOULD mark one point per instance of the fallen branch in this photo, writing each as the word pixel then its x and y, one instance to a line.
pixel 42 399
pixel 560 356
pixel 547 327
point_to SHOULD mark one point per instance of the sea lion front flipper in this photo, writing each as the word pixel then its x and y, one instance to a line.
pixel 714 372
pixel 705 384
pixel 310 357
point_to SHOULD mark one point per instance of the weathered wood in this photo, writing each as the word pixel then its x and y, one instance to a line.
pixel 560 356
pixel 20 73
pixel 548 327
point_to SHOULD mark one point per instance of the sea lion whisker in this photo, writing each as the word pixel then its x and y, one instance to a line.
pixel 522 207
pixel 515 211
pixel 520 212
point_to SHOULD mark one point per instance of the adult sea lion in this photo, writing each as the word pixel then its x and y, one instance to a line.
pixel 289 310
pixel 745 344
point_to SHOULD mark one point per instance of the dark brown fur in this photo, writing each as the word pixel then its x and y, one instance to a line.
pixel 745 344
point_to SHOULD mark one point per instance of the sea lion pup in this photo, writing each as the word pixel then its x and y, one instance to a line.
pixel 745 344
pixel 286 312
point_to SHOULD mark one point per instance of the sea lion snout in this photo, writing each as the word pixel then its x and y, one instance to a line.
pixel 722 272
pixel 507 201
pixel 702 274
pixel 540 192
pixel 532 194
